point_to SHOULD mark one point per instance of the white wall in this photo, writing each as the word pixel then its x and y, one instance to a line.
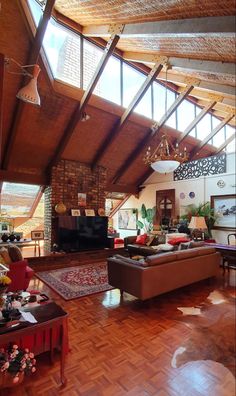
pixel 203 187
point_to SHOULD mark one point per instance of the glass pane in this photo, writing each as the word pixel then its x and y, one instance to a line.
pixel 132 81
pixel 92 56
pixel 17 199
pixel 232 145
pixel 159 94
pixel 219 138
pixel 215 122
pixel 36 11
pixel 62 48
pixel 186 115
pixel 231 148
pixel 145 105
pixel 170 100
pixel 109 82
pixel 204 127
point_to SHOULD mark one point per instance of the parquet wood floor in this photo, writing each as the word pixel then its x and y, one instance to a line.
pixel 128 348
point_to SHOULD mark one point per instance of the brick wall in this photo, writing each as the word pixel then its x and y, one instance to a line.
pixel 69 178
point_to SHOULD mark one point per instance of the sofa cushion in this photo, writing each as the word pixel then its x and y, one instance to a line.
pixel 184 245
pixel 177 241
pixel 141 239
pixel 205 250
pixel 14 252
pixel 184 254
pixel 140 263
pixel 162 258
pixel 194 244
pixel 5 256
pixel 165 247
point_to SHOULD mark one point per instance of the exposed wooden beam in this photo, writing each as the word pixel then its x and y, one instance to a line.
pixel 196 120
pixel 123 120
pixel 184 63
pixel 151 132
pixel 225 144
pixel 35 203
pixel 28 178
pixel 225 25
pixel 207 88
pixel 122 188
pixel 1 100
pixel 84 100
pixel 115 210
pixel 203 143
pixel 33 58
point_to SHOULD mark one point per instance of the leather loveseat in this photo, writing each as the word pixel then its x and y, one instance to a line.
pixel 161 273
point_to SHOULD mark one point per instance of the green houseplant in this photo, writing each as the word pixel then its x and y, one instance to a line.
pixel 147 216
pixel 203 210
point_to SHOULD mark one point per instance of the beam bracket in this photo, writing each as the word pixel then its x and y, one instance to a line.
pixel 116 29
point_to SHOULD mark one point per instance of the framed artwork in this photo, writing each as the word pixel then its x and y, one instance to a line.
pixel 127 219
pixel 75 212
pixel 89 212
pixel 225 210
pixel 81 199
pixel 37 235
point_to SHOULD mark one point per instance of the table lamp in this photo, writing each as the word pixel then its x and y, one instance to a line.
pixel 198 223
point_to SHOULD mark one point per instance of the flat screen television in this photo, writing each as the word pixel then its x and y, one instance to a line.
pixel 77 233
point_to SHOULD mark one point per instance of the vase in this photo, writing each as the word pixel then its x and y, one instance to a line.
pixel 4 237
pixel 8 380
pixel 60 208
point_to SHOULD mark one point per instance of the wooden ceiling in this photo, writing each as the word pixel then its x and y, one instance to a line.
pixel 33 139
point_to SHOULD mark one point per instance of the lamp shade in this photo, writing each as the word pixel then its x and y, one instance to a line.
pixel 198 222
pixel 29 93
pixel 165 166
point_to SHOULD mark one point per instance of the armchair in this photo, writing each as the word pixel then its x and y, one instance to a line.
pixel 20 275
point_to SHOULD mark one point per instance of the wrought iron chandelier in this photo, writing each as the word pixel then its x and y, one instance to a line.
pixel 163 160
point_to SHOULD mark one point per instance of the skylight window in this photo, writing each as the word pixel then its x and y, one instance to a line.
pixel 17 199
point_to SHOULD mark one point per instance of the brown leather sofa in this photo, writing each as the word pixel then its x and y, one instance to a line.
pixel 142 250
pixel 164 272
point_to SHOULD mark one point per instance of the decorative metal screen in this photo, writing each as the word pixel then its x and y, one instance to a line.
pixel 202 167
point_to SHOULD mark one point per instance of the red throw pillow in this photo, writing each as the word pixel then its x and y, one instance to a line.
pixel 141 239
pixel 177 241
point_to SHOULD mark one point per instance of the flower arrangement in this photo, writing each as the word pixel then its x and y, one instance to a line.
pixel 16 361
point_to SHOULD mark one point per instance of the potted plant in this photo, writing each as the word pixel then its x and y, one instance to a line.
pixel 147 216
pixel 201 210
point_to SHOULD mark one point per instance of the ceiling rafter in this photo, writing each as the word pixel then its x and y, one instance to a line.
pixel 152 132
pixel 203 143
pixel 122 188
pixel 225 144
pixel 196 120
pixel 225 25
pixel 123 120
pixel 21 177
pixel 84 101
pixel 207 66
pixel 33 58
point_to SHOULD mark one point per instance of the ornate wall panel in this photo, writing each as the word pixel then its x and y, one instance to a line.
pixel 203 167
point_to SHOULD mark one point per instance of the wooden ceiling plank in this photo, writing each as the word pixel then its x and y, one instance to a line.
pixel 123 120
pixel 196 120
pixel 33 58
pixel 207 66
pixel 203 143
pixel 122 188
pixel 225 25
pixel 84 100
pixel 151 132
pixel 225 144
pixel 20 177
pixel 1 100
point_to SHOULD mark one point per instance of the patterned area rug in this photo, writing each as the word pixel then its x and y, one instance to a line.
pixel 77 281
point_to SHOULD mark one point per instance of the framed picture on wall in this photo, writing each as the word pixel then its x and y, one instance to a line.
pixel 127 219
pixel 225 211
pixel 82 199
pixel 75 212
pixel 89 212
pixel 37 235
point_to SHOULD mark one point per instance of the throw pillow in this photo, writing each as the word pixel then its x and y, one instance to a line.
pixel 184 245
pixel 15 253
pixel 141 239
pixel 165 247
pixel 177 241
pixel 5 256
pixel 150 240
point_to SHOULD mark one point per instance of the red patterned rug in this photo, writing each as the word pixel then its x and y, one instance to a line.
pixel 77 281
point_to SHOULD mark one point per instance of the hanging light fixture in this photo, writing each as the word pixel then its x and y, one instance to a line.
pixel 163 160
pixel 29 93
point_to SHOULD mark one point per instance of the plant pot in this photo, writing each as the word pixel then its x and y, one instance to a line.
pixel 12 237
pixel 8 380
pixel 4 237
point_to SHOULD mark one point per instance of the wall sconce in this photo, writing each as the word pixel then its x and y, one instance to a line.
pixel 29 93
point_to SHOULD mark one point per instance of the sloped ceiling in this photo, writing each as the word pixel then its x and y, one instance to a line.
pixel 38 131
